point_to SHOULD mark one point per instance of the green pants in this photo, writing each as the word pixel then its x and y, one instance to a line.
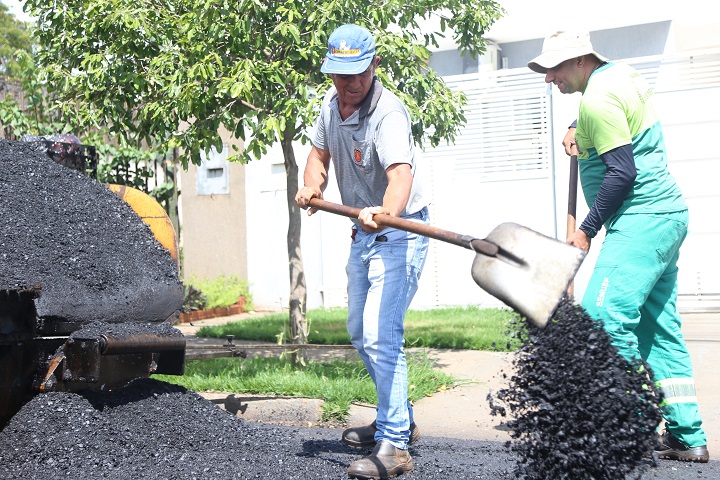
pixel 633 291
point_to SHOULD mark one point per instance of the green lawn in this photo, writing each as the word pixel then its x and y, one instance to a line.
pixel 468 328
pixel 341 382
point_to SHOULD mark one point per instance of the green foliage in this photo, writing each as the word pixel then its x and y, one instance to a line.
pixel 118 161
pixel 173 72
pixel 15 42
pixel 124 164
pixel 339 383
pixel 36 117
pixel 163 192
pixel 194 299
pixel 470 328
pixel 222 291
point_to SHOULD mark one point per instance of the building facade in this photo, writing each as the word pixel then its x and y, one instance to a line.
pixel 507 165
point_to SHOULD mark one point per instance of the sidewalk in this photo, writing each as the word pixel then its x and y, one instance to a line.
pixel 463 412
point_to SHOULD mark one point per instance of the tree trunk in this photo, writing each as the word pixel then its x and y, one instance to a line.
pixel 298 291
pixel 172 174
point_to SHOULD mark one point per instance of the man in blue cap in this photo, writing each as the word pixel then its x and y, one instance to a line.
pixel 365 131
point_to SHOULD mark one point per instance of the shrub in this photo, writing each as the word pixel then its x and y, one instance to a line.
pixel 222 291
pixel 194 299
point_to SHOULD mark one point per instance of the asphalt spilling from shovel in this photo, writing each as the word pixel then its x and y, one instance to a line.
pixel 579 410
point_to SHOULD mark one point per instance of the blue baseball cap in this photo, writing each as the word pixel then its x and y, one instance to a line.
pixel 351 49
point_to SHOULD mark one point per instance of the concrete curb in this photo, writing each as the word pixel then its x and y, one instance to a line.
pixel 291 411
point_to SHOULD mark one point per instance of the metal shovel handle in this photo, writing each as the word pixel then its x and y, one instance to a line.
pixel 466 241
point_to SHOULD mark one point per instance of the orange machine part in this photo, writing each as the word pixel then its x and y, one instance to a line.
pixel 152 213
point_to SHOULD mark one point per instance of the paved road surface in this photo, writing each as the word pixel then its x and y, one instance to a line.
pixel 462 414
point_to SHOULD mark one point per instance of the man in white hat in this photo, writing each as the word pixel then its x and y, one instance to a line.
pixel 365 130
pixel 625 179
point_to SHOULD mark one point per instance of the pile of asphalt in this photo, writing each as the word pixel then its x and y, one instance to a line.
pixel 90 253
pixel 155 430
pixel 579 409
pixel 152 429
pixel 95 329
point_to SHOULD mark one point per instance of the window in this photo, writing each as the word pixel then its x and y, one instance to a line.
pixel 213 175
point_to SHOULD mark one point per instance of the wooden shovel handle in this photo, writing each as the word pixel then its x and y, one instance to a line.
pixel 466 241
pixel 572 208
pixel 572 195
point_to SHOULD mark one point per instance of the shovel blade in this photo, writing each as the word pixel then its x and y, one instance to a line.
pixel 531 272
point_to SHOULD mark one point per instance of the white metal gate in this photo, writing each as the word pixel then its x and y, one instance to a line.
pixel 687 88
pixel 498 170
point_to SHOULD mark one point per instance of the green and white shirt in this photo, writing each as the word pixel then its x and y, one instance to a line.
pixel 616 109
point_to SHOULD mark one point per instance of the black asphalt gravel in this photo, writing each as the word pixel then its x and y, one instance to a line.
pixel 155 430
pixel 578 408
pixel 95 329
pixel 91 254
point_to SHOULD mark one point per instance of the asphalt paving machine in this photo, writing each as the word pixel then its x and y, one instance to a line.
pixel 40 355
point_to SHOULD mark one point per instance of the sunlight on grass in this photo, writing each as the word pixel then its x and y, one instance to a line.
pixel 339 382
pixel 469 328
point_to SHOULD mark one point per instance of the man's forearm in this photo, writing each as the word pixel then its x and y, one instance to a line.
pixel 315 175
pixel 398 190
pixel 615 187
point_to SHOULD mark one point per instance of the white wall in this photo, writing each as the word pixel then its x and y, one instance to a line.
pixel 325 238
pixel 267 221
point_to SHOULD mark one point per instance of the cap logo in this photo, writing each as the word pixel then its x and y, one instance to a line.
pixel 351 50
pixel 345 51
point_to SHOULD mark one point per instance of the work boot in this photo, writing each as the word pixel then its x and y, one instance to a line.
pixel 364 437
pixel 671 448
pixel 385 461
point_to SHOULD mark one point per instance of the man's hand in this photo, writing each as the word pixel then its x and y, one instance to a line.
pixel 303 196
pixel 366 218
pixel 569 142
pixel 395 199
pixel 580 240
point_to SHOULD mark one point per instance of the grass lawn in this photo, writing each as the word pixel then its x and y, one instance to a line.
pixel 340 382
pixel 467 328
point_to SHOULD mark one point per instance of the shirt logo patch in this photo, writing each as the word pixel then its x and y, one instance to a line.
pixel 357 154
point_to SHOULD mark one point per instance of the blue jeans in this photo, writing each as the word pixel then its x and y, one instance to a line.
pixel 383 273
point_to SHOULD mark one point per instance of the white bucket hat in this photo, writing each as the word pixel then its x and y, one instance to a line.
pixel 561 46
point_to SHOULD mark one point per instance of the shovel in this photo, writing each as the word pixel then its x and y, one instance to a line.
pixel 526 270
pixel 572 209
